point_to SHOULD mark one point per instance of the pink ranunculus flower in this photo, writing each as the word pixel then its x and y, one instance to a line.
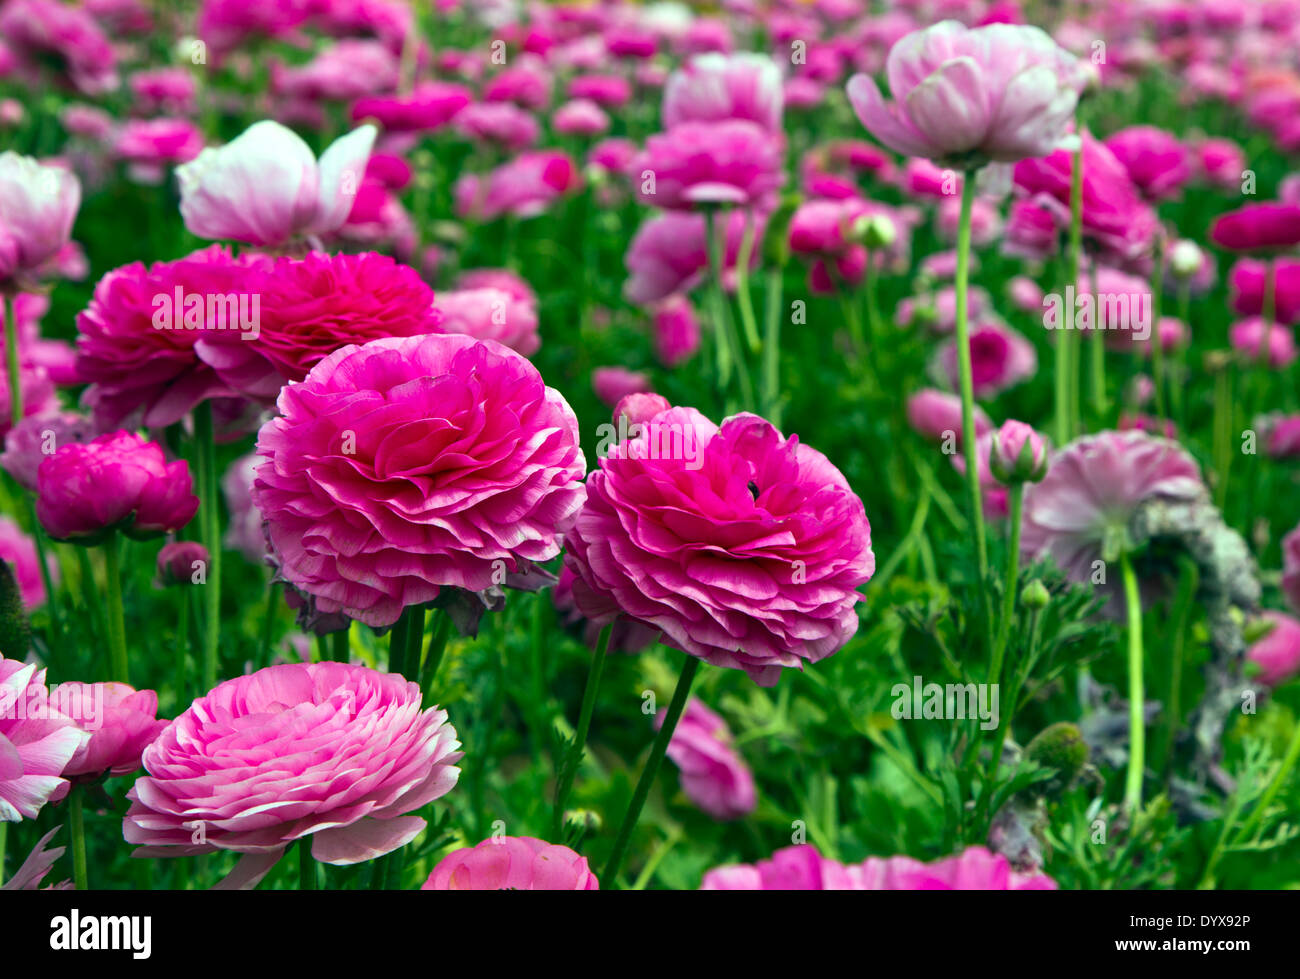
pixel 150 145
pixel 266 186
pixel 512 863
pixel 32 439
pixel 118 481
pixel 1219 162
pixel 714 776
pixel 1281 436
pixel 1248 283
pixel 32 871
pixel 500 123
pixel 163 90
pixel 1080 512
pixel 490 314
pixel 1291 567
pixel 505 280
pixel 524 186
pixel 613 384
pixel 1156 161
pixel 1278 654
pixel 1257 341
pixel 1116 219
pixel 716 87
pixel 244 532
pixel 45 34
pixel 745 548
pixel 734 162
pixel 38 204
pixel 411 464
pixel 1000 359
pixel 180 561
pixel 994 498
pixel 668 254
pixel 120 721
pixel 676 330
pixel 802 868
pixel 36 742
pixel 37 391
pixel 1263 227
pixel 934 414
pixel 342 754
pixel 580 117
pixel 18 550
pixel 308 308
pixel 964 97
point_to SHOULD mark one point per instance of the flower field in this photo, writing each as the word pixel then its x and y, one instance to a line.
pixel 745 445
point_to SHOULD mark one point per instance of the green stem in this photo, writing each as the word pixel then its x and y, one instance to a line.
pixel 873 309
pixel 1157 348
pixel 743 299
pixel 339 650
pixel 397 643
pixel 77 826
pixel 772 348
pixel 571 763
pixel 51 596
pixel 11 359
pixel 268 623
pixel 1066 372
pixel 306 866
pixel 182 647
pixel 1188 581
pixel 1097 351
pixel 1015 498
pixel 968 386
pixel 211 526
pixel 113 611
pixel 4 836
pixel 675 708
pixel 1136 694
pixel 433 656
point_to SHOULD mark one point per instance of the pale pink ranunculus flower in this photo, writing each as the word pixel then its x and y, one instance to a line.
pixel 338 753
pixel 734 162
pixel 933 414
pixel 36 742
pixel 18 550
pixel 38 204
pixel 967 96
pixel 266 186
pixel 715 87
pixel 1278 654
pixel 512 863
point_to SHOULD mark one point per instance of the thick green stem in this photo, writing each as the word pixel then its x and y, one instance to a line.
pixel 211 526
pixel 674 714
pixel 1067 374
pixel 77 827
pixel 47 579
pixel 1136 694
pixel 113 610
pixel 11 360
pixel 306 866
pixel 570 768
pixel 968 385
pixel 433 655
pixel 4 836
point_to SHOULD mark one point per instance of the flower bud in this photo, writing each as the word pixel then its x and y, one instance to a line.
pixel 1035 595
pixel 1018 454
pixel 1185 259
pixel 182 562
pixel 1061 747
pixel 876 231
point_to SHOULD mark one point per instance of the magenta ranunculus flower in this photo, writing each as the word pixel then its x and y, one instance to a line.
pixel 501 123
pixel 735 162
pixel 336 752
pixel 118 481
pixel 1080 512
pixel 716 87
pixel 525 186
pixel 38 204
pixel 1156 161
pixel 745 548
pixel 1256 341
pixel 136 348
pixel 36 742
pixel 802 868
pixel 676 329
pixel 18 550
pixel 310 307
pixel 411 464
pixel 964 97
pixel 1000 358
pixel 668 254
pixel 1017 454
pixel 491 314
pixel 120 721
pixel 613 384
pixel 1258 228
pixel 1278 654
pixel 1248 280
pixel 714 776
pixel 266 186
pixel 431 106
pixel 46 34
pixel 1291 567
pixel 512 863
